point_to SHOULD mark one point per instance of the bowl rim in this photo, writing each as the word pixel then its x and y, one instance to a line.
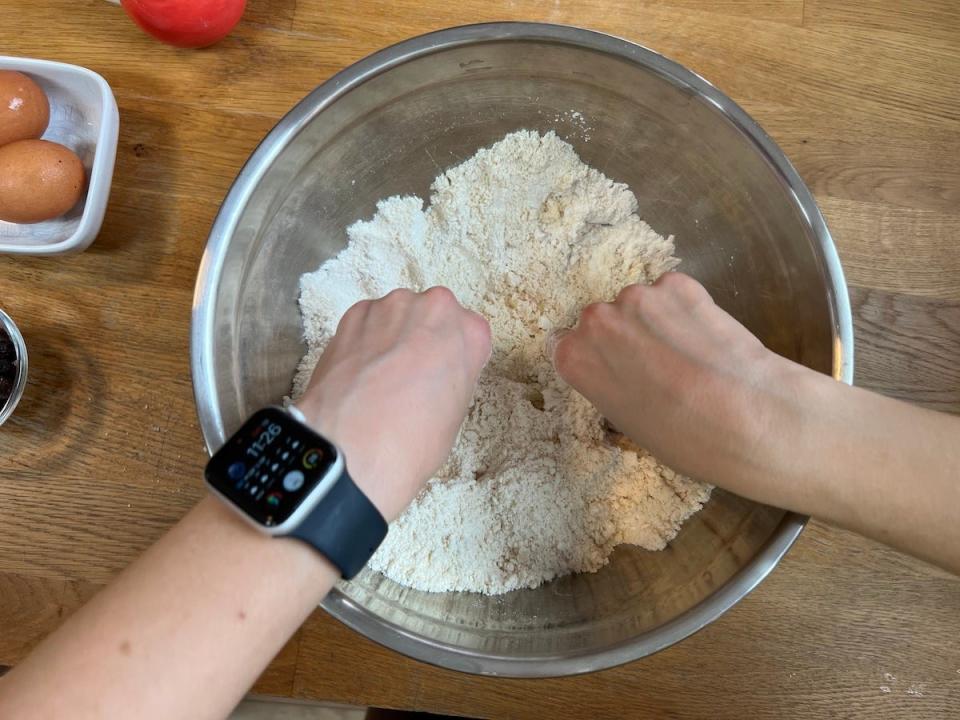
pixel 20 379
pixel 203 333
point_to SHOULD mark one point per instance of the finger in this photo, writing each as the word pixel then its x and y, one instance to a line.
pixel 572 357
pixel 553 339
pixel 480 339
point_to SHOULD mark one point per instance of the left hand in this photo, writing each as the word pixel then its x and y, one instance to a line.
pixel 393 386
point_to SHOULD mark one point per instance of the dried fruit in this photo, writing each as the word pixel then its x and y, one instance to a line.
pixel 8 366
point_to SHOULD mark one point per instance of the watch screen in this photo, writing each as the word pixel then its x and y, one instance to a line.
pixel 270 466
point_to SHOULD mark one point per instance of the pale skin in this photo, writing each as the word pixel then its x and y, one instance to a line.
pixel 186 629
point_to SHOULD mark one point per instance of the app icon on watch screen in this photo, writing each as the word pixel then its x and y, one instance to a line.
pixel 312 458
pixel 273 499
pixel 293 481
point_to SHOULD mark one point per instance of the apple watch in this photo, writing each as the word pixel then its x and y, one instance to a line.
pixel 288 480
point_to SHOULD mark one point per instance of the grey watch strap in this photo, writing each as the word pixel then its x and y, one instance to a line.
pixel 344 527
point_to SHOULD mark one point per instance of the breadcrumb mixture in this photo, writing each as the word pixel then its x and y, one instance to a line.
pixel 525 234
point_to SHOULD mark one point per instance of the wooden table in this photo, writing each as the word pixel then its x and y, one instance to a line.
pixel 105 452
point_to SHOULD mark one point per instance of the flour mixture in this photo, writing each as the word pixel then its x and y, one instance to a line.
pixel 525 234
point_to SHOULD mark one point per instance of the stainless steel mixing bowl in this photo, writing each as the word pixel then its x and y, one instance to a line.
pixel 746 226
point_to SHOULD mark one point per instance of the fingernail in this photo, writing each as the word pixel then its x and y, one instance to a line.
pixel 553 339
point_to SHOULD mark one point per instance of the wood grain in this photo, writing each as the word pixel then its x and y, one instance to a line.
pixel 909 347
pixel 898 250
pixel 105 451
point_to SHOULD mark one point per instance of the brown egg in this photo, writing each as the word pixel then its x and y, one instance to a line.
pixel 39 180
pixel 24 108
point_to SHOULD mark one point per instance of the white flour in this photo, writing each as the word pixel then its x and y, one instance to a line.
pixel 525 234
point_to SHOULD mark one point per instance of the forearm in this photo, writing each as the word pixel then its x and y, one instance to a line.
pixel 186 630
pixel 684 379
pixel 880 467
pixel 183 632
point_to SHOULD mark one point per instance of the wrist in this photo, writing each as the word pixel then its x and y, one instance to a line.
pixel 288 481
pixel 773 417
pixel 362 455
pixel 804 438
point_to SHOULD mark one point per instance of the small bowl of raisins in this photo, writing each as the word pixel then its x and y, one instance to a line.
pixel 13 366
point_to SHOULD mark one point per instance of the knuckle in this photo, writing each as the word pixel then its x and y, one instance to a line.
pixel 684 287
pixel 594 311
pixel 669 280
pixel 632 293
pixel 397 294
pixel 480 346
pixel 358 309
pixel 355 313
pixel 562 357
pixel 597 316
pixel 566 356
pixel 481 328
pixel 440 294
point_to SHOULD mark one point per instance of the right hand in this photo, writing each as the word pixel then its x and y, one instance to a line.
pixel 672 371
pixel 690 384
pixel 393 386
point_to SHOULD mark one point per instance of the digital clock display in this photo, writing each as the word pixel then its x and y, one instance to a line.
pixel 270 465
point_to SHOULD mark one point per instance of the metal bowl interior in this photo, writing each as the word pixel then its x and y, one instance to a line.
pixel 702 170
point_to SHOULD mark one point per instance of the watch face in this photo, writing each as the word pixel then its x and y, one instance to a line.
pixel 270 466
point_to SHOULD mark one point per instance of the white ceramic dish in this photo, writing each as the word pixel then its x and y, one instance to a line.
pixel 84 117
